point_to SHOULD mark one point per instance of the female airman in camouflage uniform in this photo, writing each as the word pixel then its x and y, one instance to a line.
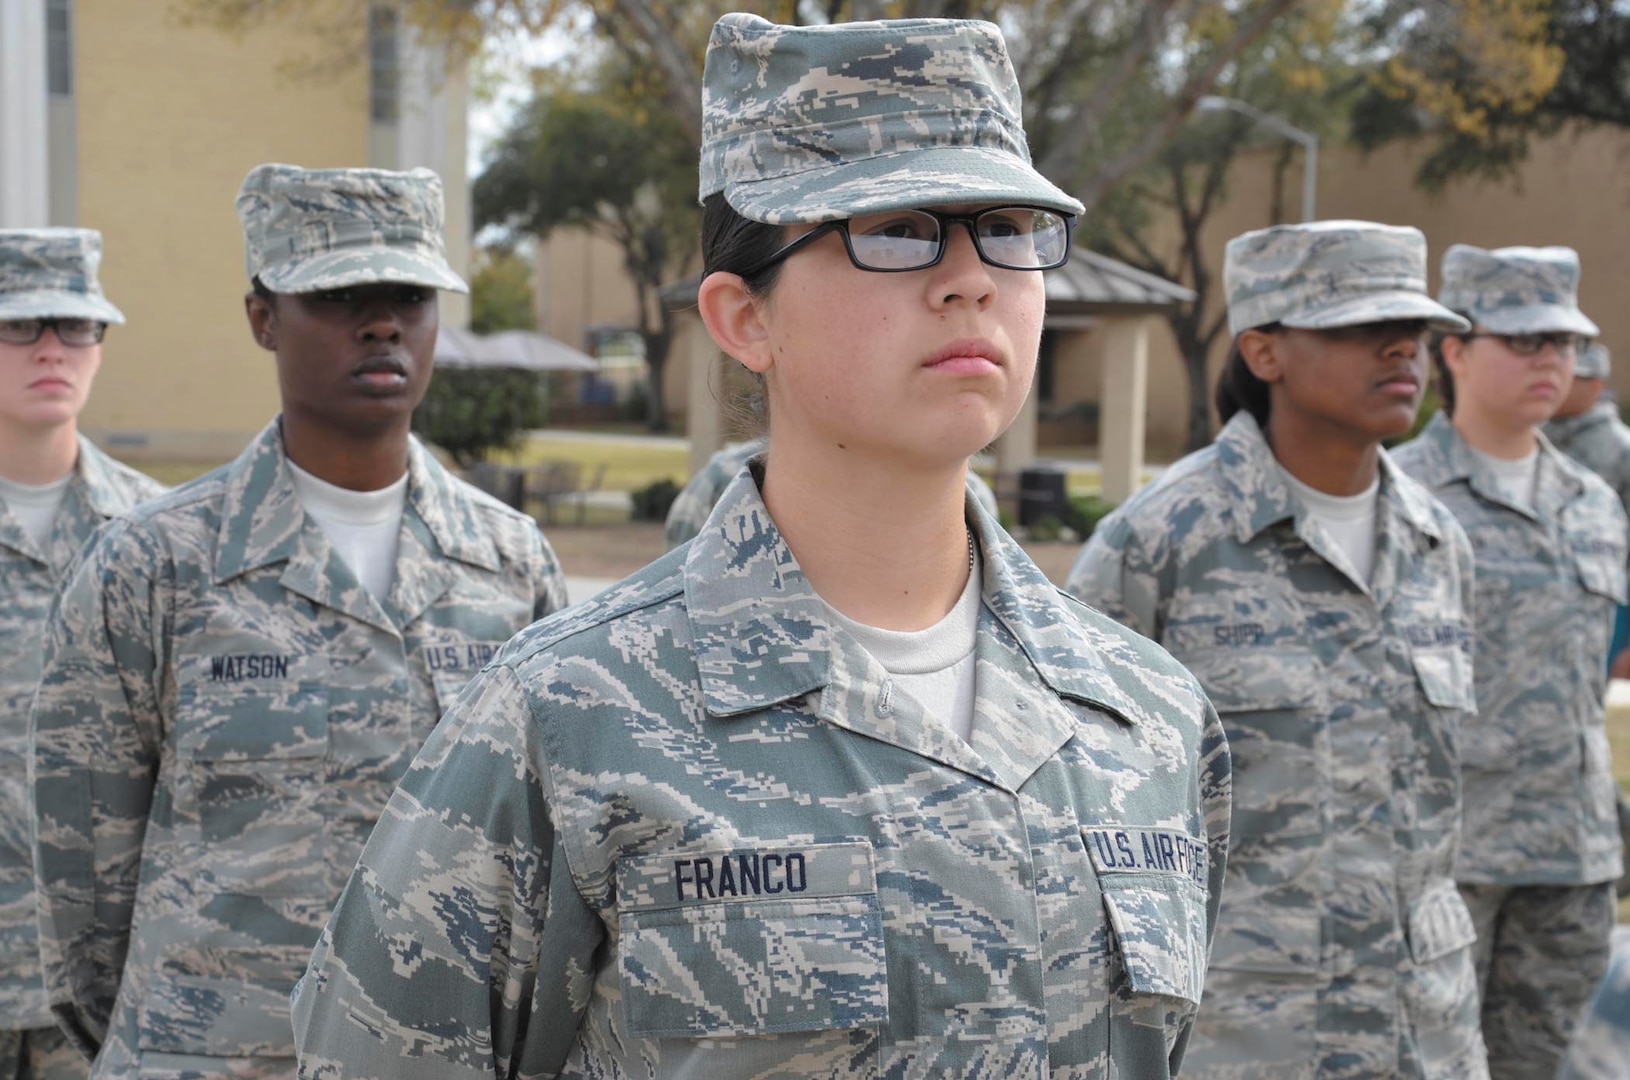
pixel 1324 601
pixel 231 688
pixel 56 488
pixel 1540 846
pixel 709 824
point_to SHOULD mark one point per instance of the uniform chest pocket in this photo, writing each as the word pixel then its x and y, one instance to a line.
pixel 1445 677
pixel 1271 705
pixel 751 941
pixel 1154 887
pixel 1603 575
pixel 249 789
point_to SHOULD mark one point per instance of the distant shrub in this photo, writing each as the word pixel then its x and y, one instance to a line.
pixel 651 502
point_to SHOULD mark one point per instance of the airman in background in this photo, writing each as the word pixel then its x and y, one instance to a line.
pixel 1540 845
pixel 240 672
pixel 56 488
pixel 1324 601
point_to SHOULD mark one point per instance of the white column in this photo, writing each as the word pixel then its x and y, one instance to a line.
pixel 1123 406
pixel 704 383
pixel 432 104
pixel 1016 447
pixel 25 192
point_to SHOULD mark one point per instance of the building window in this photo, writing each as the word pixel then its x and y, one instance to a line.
pixel 59 47
pixel 384 65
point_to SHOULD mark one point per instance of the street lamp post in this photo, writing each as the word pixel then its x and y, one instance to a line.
pixel 1308 141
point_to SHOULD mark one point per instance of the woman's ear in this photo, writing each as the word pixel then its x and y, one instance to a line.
pixel 1260 351
pixel 734 318
pixel 1454 355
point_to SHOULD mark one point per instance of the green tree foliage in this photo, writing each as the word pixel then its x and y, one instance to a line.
pixel 596 159
pixel 501 292
pixel 1480 80
pixel 470 412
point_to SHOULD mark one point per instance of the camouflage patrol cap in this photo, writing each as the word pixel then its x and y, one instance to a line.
pixel 1329 274
pixel 815 123
pixel 1594 362
pixel 51 274
pixel 1516 290
pixel 305 230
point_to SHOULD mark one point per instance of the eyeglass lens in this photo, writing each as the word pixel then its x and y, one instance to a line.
pixel 1015 237
pixel 76 333
pixel 1531 344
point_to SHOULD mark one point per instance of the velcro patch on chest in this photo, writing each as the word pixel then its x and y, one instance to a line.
pixel 760 872
pixel 1131 850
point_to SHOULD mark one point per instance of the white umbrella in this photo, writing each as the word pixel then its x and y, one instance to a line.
pixel 520 349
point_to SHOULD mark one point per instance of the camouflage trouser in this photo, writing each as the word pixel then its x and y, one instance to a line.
pixel 1540 950
pixel 1601 1046
pixel 42 1054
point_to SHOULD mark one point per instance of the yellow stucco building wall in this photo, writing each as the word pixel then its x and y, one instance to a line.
pixel 169 121
pixel 1571 191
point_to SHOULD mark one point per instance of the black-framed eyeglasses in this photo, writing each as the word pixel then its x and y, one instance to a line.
pixel 75 333
pixel 1564 342
pixel 1008 237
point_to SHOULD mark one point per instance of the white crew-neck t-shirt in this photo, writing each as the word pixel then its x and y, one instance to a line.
pixel 1349 519
pixel 35 506
pixel 1517 479
pixel 363 526
pixel 936 665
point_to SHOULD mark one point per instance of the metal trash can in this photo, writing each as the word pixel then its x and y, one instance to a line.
pixel 1042 494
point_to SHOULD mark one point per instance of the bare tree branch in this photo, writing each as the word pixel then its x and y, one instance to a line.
pixel 1068 151
pixel 1197 86
pixel 683 79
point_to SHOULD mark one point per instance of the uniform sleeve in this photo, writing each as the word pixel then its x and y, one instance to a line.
pixel 1216 773
pixel 1113 575
pixel 461 947
pixel 549 593
pixel 1466 568
pixel 94 735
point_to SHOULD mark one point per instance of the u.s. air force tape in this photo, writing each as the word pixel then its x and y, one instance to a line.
pixel 1119 849
pixel 767 871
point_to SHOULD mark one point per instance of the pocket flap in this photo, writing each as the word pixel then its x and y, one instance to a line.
pixel 1445 676
pixel 1603 576
pixel 1265 939
pixel 1156 910
pixel 1251 679
pixel 264 724
pixel 1439 923
pixel 230 1004
pixel 778 938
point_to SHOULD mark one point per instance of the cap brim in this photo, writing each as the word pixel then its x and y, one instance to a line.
pixel 1389 306
pixel 360 266
pixel 932 176
pixel 58 304
pixel 1536 319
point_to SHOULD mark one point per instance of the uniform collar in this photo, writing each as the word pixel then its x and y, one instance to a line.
pixel 1261 498
pixel 96 482
pixel 262 518
pixel 1605 411
pixel 762 637
pixel 94 494
pixel 1447 458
